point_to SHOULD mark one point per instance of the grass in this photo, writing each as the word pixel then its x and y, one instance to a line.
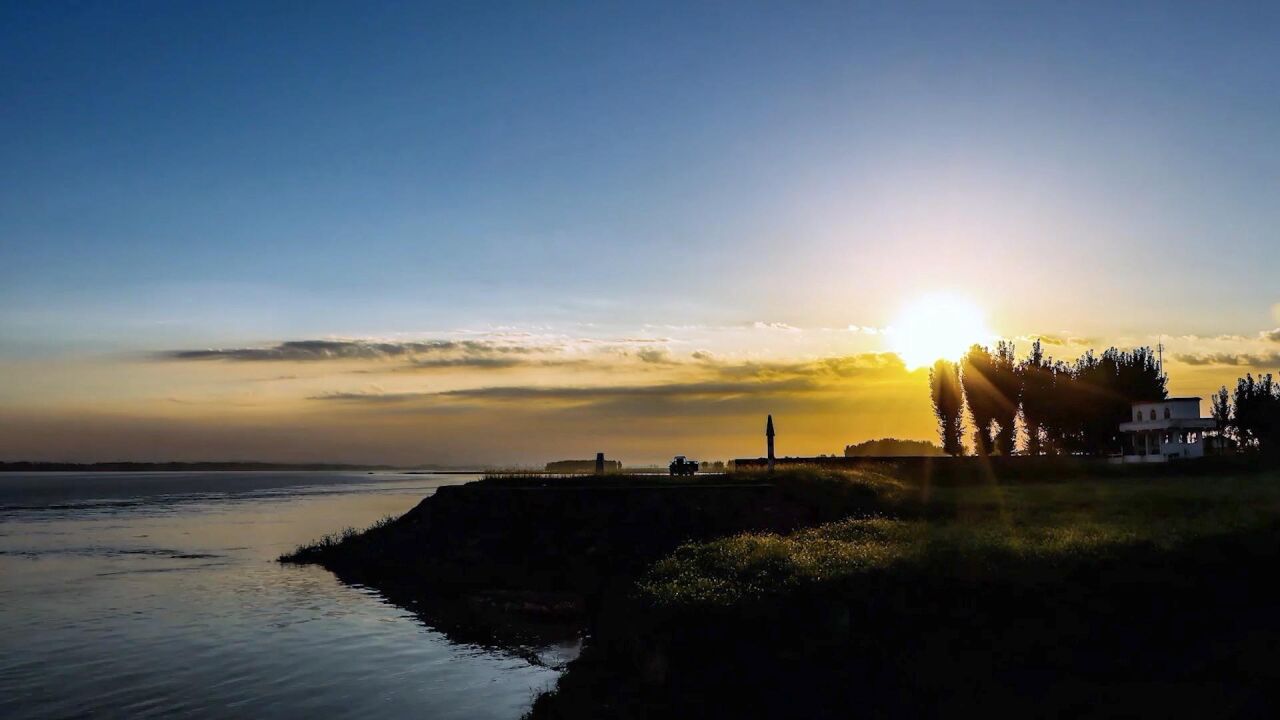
pixel 751 565
pixel 884 519
pixel 969 530
pixel 316 550
pixel 535 479
pixel 1047 587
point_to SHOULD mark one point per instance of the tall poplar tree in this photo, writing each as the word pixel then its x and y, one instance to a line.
pixel 979 395
pixel 1222 411
pixel 1037 396
pixel 948 405
pixel 1006 384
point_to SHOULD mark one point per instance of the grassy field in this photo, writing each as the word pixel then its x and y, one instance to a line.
pixel 952 529
pixel 1144 594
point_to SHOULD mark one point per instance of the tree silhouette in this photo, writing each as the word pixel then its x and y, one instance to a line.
pixel 1066 407
pixel 1222 411
pixel 1006 384
pixel 980 394
pixel 948 405
pixel 1256 420
pixel 1098 394
pixel 1037 396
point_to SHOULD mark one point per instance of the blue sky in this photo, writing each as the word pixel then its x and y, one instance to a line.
pixel 187 175
pixel 265 169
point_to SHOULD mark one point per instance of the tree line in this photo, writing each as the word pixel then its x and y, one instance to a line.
pixel 1064 407
pixel 1249 417
pixel 892 447
pixel 1077 407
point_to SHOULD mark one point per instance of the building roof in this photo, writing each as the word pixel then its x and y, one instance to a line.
pixel 1157 402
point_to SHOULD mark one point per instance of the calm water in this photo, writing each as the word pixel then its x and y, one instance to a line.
pixel 157 594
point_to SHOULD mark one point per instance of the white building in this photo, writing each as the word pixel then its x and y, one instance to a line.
pixel 1163 430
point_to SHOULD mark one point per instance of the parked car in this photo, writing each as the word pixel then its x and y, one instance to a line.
pixel 683 466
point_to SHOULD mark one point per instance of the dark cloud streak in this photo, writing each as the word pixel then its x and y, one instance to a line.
pixel 371 397
pixel 328 350
pixel 1233 359
pixel 703 390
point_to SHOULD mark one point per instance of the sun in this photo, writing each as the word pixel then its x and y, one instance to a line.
pixel 938 326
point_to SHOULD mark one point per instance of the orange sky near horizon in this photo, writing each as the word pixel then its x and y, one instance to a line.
pixel 514 397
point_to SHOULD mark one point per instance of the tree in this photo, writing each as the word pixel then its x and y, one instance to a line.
pixel 1101 393
pixel 1037 395
pixel 1222 410
pixel 948 405
pixel 1256 419
pixel 980 395
pixel 1139 375
pixel 1057 412
pixel 893 447
pixel 1091 390
pixel 1066 407
pixel 1006 383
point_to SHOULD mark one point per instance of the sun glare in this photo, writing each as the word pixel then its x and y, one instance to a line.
pixel 936 327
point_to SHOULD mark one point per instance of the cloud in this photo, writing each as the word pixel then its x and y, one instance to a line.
pixel 690 390
pixel 327 350
pixel 758 325
pixel 487 362
pixel 836 367
pixel 544 353
pixel 720 381
pixel 623 341
pixel 1268 335
pixel 371 397
pixel 1235 359
pixel 483 362
pixel 654 355
pixel 1061 340
pixel 630 402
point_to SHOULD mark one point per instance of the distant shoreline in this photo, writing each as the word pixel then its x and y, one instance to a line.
pixel 27 466
pixel 249 466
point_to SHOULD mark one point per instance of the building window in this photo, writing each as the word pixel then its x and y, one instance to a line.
pixel 1137 417
pixel 1153 413
pixel 1166 413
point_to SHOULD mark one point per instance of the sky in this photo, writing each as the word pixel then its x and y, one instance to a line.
pixel 509 233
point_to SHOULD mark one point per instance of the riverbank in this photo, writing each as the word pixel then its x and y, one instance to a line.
pixel 817 592
pixel 572 535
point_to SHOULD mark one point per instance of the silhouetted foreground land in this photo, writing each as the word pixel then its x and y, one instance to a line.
pixel 884 590
pixel 548 548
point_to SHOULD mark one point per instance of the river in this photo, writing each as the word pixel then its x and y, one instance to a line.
pixel 158 595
